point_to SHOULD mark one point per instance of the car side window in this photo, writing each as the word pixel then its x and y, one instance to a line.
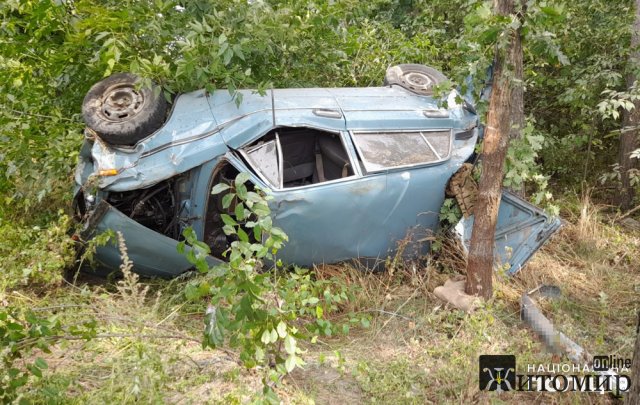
pixel 387 150
pixel 296 157
pixel 264 157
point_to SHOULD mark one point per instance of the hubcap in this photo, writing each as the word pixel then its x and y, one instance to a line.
pixel 121 103
pixel 418 81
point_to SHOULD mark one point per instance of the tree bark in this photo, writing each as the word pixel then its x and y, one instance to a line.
pixel 496 140
pixel 631 119
pixel 517 91
pixel 633 396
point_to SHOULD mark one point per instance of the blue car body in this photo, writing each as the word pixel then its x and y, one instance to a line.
pixel 374 174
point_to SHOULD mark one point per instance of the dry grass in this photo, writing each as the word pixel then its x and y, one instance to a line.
pixel 417 350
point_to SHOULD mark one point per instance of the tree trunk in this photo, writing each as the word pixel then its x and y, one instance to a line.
pixel 629 137
pixel 517 87
pixel 633 396
pixel 517 91
pixel 496 140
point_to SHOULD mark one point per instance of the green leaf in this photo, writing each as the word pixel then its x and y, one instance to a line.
pixel 290 344
pixel 35 370
pixel 551 11
pixel 261 209
pixel 239 212
pixel 220 187
pixel 490 35
pixel 238 51
pixel 19 381
pixel 228 220
pixel 241 191
pixel 228 54
pixel 290 363
pixel 282 329
pixel 191 292
pixel 223 48
pixel 229 230
pixel 190 235
pixel 213 331
pixel 241 178
pixel 266 337
pixel 14 326
pixel 259 355
pixel 254 197
pixel 242 235
pixel 279 233
pixel 227 199
pixel 257 233
pixel 41 363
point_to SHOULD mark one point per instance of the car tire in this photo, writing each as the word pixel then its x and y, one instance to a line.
pixel 419 79
pixel 121 112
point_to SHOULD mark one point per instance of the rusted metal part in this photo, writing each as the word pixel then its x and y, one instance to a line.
pixel 93 219
pixel 90 134
pixel 463 187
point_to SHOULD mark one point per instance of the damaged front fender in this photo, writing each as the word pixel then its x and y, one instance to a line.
pixel 152 254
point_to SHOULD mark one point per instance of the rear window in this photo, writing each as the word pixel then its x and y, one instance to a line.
pixel 388 150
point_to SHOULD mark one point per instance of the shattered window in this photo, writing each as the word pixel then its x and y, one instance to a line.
pixel 386 150
pixel 264 157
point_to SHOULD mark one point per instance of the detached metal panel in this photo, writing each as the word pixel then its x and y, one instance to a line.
pixel 521 230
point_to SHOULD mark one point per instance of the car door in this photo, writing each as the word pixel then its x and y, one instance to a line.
pixel 326 222
pixel 521 230
pixel 363 215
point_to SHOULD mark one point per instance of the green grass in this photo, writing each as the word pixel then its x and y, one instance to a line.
pixel 416 350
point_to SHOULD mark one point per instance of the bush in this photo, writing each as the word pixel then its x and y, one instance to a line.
pixel 34 255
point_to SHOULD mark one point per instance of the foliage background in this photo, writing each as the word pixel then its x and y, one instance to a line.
pixel 52 51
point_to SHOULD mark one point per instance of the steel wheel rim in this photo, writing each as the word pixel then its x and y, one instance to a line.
pixel 418 81
pixel 121 103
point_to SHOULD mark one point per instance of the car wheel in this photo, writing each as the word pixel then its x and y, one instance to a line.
pixel 121 112
pixel 419 79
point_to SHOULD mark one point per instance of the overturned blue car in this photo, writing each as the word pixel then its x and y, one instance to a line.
pixel 352 171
